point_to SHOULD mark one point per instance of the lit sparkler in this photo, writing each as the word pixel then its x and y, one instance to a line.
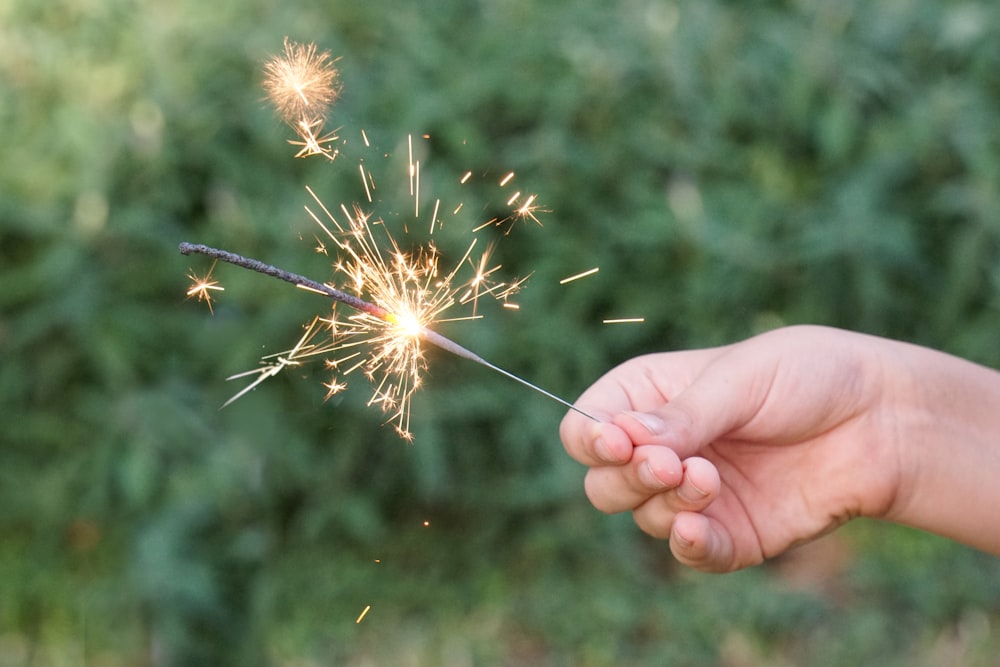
pixel 394 335
pixel 394 296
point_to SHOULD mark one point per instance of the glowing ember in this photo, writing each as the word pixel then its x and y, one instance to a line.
pixel 364 612
pixel 583 274
pixel 203 286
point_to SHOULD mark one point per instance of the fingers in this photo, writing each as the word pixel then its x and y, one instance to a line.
pixel 698 486
pixel 681 400
pixel 700 542
pixel 640 384
pixel 656 486
pixel 595 443
pixel 618 488
pixel 723 398
pixel 668 499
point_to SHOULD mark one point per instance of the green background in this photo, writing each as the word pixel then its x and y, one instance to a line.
pixel 730 167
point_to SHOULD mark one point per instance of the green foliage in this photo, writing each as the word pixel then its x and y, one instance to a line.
pixel 729 167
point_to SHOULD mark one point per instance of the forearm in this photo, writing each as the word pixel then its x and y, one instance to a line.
pixel 947 437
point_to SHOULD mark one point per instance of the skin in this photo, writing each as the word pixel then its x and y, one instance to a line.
pixel 737 453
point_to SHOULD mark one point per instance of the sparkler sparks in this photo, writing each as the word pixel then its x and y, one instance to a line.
pixel 275 363
pixel 203 286
pixel 394 358
pixel 303 84
pixel 364 612
pixel 394 296
pixel 578 276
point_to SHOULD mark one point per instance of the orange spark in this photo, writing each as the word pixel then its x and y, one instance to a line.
pixel 364 613
pixel 203 286
pixel 582 274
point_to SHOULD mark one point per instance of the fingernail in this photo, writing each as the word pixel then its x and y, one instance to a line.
pixel 679 540
pixel 603 451
pixel 691 493
pixel 649 478
pixel 651 423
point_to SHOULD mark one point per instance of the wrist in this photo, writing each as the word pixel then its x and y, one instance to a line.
pixel 943 432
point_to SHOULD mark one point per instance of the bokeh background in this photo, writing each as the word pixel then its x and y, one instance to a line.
pixel 730 167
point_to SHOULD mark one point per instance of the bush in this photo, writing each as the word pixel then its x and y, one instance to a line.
pixel 729 167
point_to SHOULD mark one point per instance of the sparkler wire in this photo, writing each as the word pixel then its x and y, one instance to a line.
pixel 358 303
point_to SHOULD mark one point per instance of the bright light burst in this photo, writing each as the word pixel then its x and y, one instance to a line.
pixel 394 295
pixel 302 85
pixel 410 290
pixel 394 298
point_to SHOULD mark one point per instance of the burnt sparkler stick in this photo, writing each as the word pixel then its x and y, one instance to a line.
pixel 357 303
pixel 294 278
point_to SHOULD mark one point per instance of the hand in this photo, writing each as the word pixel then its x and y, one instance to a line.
pixel 737 453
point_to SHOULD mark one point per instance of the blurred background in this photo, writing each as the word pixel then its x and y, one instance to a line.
pixel 730 167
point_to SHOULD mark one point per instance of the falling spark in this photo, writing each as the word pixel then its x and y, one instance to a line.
pixel 524 211
pixel 625 320
pixel 364 612
pixel 273 364
pixel 303 84
pixel 582 274
pixel 203 286
pixel 434 214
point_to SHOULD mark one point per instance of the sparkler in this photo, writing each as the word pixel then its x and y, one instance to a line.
pixel 400 348
pixel 394 296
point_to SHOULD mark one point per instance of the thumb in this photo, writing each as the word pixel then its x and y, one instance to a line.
pixel 723 398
